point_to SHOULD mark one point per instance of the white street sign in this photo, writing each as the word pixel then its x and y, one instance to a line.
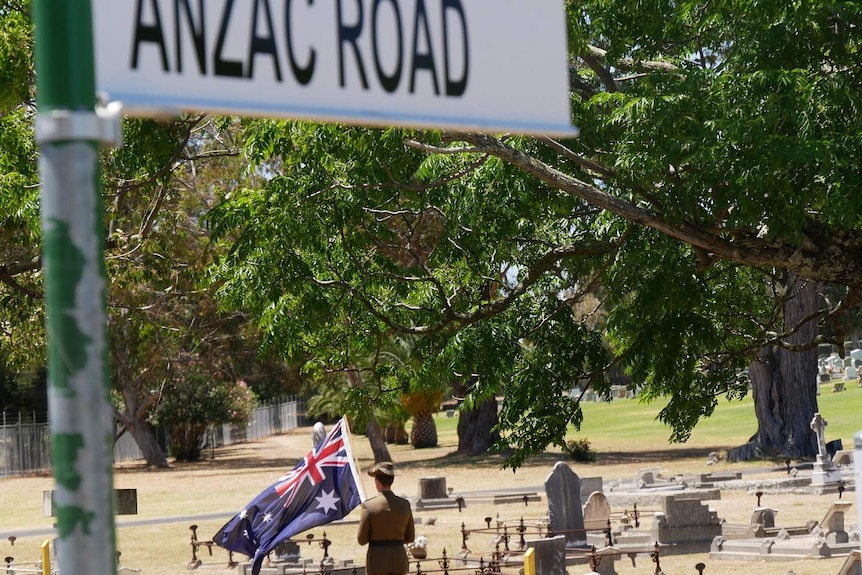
pixel 493 65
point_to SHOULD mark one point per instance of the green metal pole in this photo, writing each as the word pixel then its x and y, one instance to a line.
pixel 67 128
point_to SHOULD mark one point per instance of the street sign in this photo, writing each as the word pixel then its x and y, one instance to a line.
pixel 492 65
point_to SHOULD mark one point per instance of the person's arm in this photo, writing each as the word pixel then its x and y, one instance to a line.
pixel 364 526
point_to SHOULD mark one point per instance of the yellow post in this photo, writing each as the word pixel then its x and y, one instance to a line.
pixel 530 561
pixel 46 557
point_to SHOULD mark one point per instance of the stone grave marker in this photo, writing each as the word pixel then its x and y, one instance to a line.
pixel 833 523
pixel 825 472
pixel 597 512
pixel 565 515
pixel 432 488
pixel 764 516
pixel 590 484
pixel 550 555
pixel 852 565
pixel 125 502
pixel 288 551
pixel 318 434
pixel 684 520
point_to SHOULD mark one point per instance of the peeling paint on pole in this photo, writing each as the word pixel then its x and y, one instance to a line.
pixel 857 472
pixel 74 272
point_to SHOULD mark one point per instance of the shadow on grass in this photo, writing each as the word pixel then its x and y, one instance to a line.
pixel 220 463
pixel 238 459
pixel 547 460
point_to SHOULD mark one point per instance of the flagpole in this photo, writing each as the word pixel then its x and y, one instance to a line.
pixel 354 469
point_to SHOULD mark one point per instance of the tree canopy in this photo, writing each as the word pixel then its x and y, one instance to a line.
pixel 716 165
pixel 156 189
pixel 716 169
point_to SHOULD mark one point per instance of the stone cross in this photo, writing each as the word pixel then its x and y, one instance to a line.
pixel 565 515
pixel 818 425
pixel 318 434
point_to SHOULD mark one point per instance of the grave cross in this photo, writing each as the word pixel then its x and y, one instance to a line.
pixel 818 425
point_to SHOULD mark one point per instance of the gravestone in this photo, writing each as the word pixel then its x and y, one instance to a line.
pixel 685 520
pixel 565 515
pixel 833 523
pixel 597 512
pixel 432 488
pixel 646 477
pixel 125 502
pixel 590 484
pixel 852 565
pixel 550 555
pixel 652 479
pixel 825 472
pixel 764 516
pixel 287 551
pixel 843 457
pixel 833 447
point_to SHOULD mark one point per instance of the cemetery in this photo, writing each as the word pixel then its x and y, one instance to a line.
pixel 564 517
pixel 518 253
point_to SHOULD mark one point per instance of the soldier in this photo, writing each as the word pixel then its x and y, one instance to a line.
pixel 386 525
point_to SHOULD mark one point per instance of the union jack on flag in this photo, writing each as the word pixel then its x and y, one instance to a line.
pixel 321 488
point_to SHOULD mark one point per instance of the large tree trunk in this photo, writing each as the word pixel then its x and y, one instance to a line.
pixel 372 428
pixel 134 420
pixel 378 443
pixel 145 436
pixel 784 383
pixel 475 428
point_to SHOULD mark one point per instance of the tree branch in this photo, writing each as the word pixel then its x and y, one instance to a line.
pixel 579 160
pixel 745 248
pixel 596 52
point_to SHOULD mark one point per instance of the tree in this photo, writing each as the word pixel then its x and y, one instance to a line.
pixel 20 284
pixel 775 374
pixel 155 191
pixel 717 155
pixel 194 401
pixel 477 425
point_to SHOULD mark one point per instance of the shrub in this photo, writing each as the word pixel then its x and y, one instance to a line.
pixel 193 402
pixel 580 450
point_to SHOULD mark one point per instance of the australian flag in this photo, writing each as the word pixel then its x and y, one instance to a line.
pixel 321 488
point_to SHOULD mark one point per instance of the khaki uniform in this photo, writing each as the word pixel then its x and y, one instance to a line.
pixel 386 525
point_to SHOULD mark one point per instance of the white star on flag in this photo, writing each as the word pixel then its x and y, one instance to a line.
pixel 327 501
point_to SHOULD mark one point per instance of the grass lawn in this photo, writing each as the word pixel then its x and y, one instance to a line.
pixel 612 426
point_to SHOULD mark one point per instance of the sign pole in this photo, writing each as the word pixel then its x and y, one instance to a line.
pixel 69 131
pixel 857 471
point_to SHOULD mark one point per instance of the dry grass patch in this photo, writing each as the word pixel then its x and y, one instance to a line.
pixel 177 497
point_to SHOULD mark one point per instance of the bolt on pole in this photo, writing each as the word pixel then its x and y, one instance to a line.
pixel 68 129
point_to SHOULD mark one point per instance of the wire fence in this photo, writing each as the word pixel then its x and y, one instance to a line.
pixel 25 438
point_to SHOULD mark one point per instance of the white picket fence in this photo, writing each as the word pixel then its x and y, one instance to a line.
pixel 25 446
